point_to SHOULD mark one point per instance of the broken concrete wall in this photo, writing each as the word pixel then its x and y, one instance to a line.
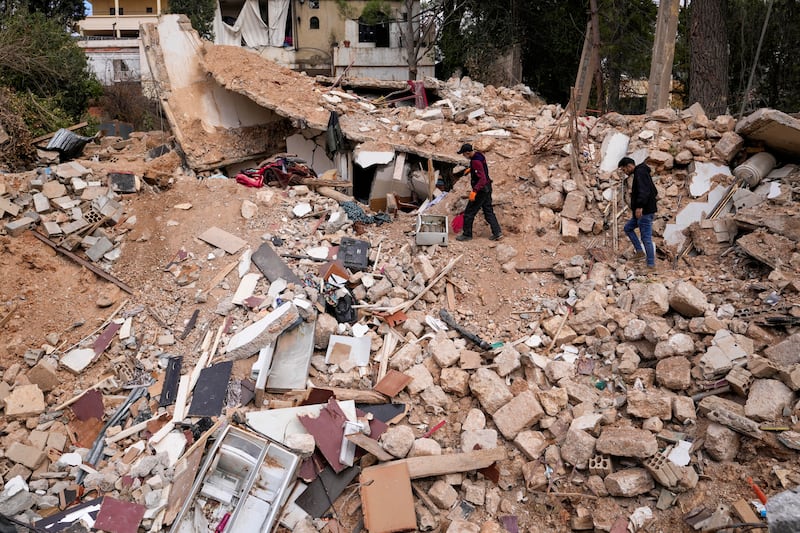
pixel 214 126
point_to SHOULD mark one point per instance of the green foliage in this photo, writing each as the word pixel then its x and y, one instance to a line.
pixel 346 10
pixel 38 58
pixel 65 12
pixel 376 12
pixel 200 13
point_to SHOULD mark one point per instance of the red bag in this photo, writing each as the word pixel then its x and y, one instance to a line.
pixel 458 223
pixel 251 178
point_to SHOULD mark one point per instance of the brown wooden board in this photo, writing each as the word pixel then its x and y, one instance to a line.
pixel 90 405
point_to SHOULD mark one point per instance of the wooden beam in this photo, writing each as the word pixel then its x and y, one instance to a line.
pixel 83 262
pixel 370 445
pixel 439 465
pixel 46 136
pixel 663 55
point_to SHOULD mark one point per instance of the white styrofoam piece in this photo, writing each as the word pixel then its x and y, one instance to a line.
pixel 173 445
pixel 77 360
pixel 614 148
pixel 301 209
pixel 247 287
pixel 359 348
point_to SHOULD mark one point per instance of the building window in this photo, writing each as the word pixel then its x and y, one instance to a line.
pixel 374 33
pixel 111 11
pixel 313 4
pixel 313 23
pixel 149 10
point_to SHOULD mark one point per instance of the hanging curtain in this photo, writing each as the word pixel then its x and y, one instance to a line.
pixel 249 25
pixel 278 11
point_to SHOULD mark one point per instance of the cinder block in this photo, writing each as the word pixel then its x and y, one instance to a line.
pixel 600 465
pixel 663 470
pixel 19 226
pixel 740 380
pixel 762 368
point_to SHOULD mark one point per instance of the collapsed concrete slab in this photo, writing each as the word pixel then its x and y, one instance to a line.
pixel 777 130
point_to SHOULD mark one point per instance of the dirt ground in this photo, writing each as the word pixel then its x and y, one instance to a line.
pixel 47 299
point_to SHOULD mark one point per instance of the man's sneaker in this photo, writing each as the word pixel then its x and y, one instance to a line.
pixel 496 237
pixel 463 237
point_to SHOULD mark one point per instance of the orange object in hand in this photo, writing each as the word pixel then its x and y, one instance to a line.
pixel 472 196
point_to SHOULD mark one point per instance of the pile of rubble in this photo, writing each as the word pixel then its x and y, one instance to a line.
pixel 323 346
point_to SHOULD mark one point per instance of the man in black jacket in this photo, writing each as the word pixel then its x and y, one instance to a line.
pixel 643 207
pixel 481 195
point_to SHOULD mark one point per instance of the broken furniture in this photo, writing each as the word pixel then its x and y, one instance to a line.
pixel 431 229
pixel 243 484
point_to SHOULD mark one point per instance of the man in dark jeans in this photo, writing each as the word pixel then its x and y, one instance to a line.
pixel 480 197
pixel 643 207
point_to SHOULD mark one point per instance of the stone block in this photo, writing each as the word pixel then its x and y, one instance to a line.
pixel 574 205
pixel 507 361
pixel 54 189
pixel 570 230
pixel 531 443
pixel 687 299
pixel 405 357
pixel 100 248
pixel 674 373
pixel 251 339
pixel 421 379
pixel 767 399
pixel 475 419
pixel 56 440
pixel 443 350
pixel 679 344
pixel 489 389
pixel 552 200
pixel 683 409
pixel 425 448
pixel 589 319
pixel 443 495
pixel 398 440
pixel 463 526
pixel 518 414
pixel 535 475
pixel 728 146
pixel 650 299
pixel 45 375
pixel 785 353
pixel 28 456
pixel 721 443
pixel 455 381
pixel 578 448
pixel 627 442
pixel 712 403
pixel 629 482
pixel 553 400
pixel 484 439
pixel 760 367
pixel 783 512
pixel 25 401
pixel 649 404
pixel 40 203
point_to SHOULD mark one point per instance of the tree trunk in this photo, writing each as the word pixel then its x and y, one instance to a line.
pixel 708 71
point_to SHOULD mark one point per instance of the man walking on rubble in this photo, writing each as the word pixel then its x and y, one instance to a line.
pixel 643 207
pixel 481 195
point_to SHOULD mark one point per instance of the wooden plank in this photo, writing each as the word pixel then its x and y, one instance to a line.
pixel 449 291
pixel 84 263
pixel 746 513
pixel 370 445
pixel 46 136
pixel 439 465
pixel 360 396
pixel 222 275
